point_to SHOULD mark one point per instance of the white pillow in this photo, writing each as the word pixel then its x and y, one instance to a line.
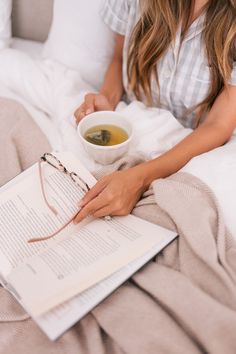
pixel 5 23
pixel 79 39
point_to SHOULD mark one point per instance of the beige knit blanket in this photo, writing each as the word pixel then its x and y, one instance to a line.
pixel 184 301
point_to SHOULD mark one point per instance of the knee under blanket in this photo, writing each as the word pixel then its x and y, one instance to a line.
pixel 22 142
pixel 184 301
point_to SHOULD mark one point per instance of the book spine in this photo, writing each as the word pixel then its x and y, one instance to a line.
pixel 13 291
pixel 2 281
pixel 9 287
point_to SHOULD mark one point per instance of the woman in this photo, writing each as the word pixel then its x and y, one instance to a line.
pixel 179 55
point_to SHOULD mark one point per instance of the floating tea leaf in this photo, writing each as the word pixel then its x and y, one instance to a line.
pixel 99 137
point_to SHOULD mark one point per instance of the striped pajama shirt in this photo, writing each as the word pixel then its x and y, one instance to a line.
pixel 183 72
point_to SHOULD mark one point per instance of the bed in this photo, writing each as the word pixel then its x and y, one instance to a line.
pixel 29 37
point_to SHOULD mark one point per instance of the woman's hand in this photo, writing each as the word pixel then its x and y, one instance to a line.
pixel 115 194
pixel 93 102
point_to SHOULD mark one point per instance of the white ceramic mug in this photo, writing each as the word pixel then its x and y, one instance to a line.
pixel 105 154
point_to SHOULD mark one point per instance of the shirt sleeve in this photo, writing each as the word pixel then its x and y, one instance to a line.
pixel 232 81
pixel 115 14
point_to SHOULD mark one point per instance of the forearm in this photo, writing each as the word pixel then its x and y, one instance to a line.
pixel 205 138
pixel 214 132
pixel 112 86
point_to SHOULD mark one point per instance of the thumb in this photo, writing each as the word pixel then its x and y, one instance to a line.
pixel 94 192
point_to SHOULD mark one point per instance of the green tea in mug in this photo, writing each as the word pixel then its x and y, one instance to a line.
pixel 106 135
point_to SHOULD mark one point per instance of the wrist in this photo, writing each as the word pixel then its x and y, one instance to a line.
pixel 146 174
pixel 112 97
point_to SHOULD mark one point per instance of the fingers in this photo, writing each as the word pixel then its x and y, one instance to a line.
pixel 86 108
pixel 80 113
pixel 93 201
pixel 92 102
pixel 94 192
pixel 89 103
pixel 90 209
pixel 102 212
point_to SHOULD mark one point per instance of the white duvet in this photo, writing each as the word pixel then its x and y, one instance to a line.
pixel 51 93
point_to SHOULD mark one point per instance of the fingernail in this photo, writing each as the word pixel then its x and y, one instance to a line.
pixel 88 111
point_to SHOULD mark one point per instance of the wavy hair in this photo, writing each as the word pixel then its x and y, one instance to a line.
pixel 156 30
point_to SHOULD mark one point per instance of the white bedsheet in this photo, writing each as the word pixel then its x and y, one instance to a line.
pixel 48 90
pixel 33 48
pixel 51 93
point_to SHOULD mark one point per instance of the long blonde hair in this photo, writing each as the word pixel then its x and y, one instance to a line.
pixel 156 30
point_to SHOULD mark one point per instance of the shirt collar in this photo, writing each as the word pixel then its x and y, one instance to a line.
pixel 196 28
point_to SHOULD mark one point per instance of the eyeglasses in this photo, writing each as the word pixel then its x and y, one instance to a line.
pixel 55 163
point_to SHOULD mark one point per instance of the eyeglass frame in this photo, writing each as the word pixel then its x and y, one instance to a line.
pixel 64 170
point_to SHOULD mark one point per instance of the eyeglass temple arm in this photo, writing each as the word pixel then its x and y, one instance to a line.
pixel 38 239
pixel 43 190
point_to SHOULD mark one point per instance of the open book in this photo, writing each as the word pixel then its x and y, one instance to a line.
pixel 60 280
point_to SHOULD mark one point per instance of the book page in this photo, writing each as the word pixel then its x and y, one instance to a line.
pixel 55 322
pixel 24 214
pixel 91 254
